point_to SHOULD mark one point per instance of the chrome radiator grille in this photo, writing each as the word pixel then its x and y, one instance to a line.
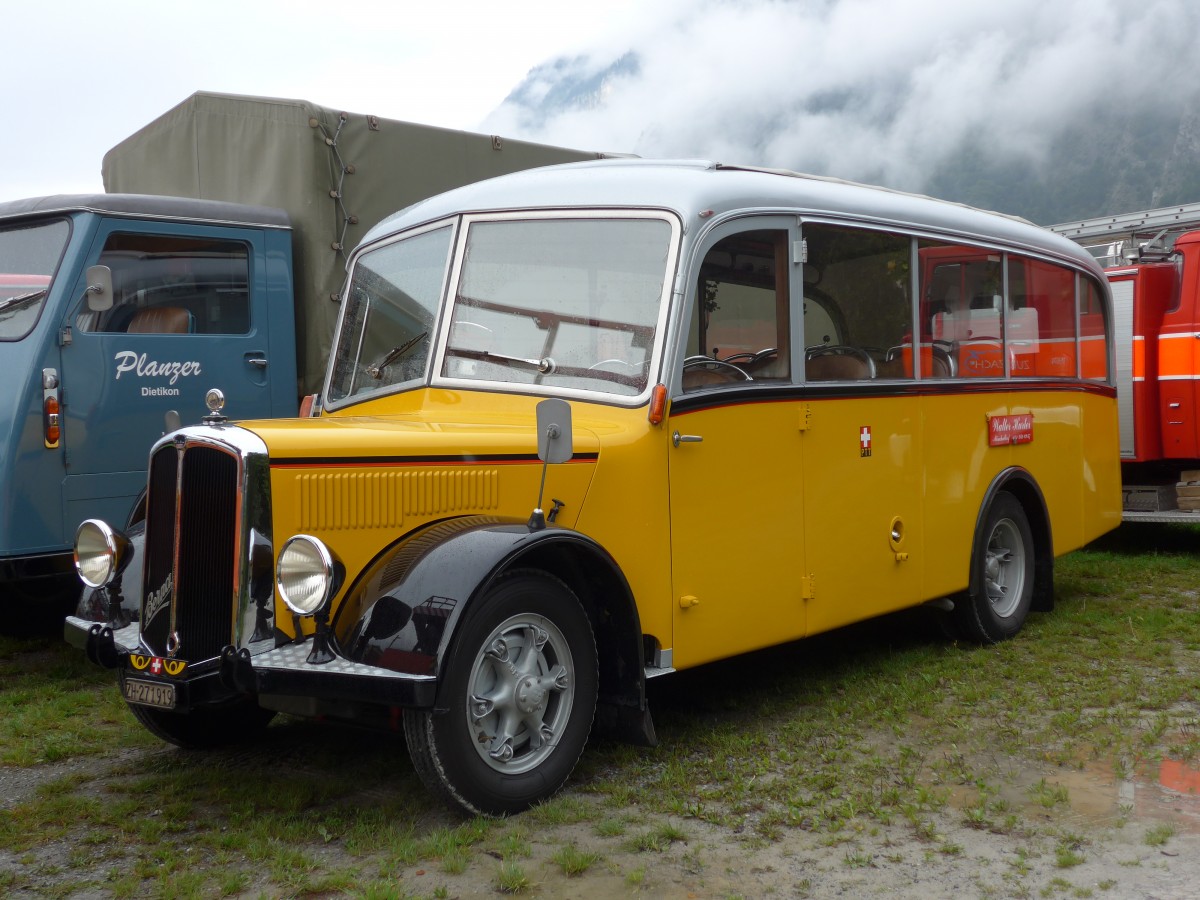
pixel 193 544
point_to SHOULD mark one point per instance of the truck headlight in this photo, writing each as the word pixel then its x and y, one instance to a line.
pixel 100 552
pixel 307 575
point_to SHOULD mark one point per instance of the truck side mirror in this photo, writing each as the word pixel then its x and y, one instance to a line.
pixel 99 288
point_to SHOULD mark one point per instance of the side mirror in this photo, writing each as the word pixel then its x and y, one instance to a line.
pixel 554 446
pixel 554 431
pixel 99 288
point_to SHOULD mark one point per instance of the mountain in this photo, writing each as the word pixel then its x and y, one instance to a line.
pixel 1107 154
pixel 1108 163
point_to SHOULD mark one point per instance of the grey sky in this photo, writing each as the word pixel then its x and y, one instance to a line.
pixel 79 75
pixel 876 90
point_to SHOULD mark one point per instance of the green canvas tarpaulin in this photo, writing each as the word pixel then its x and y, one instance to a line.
pixel 336 174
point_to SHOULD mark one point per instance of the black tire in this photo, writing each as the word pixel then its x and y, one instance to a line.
pixel 1002 568
pixel 525 656
pixel 37 608
pixel 206 728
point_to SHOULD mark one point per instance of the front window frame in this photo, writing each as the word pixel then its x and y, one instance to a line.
pixel 352 398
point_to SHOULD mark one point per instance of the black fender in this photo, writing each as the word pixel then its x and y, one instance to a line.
pixel 1022 485
pixel 403 611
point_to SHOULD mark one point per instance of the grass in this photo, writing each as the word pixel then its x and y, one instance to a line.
pixel 843 743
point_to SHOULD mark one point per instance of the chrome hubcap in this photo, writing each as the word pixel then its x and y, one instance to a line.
pixel 521 693
pixel 1004 568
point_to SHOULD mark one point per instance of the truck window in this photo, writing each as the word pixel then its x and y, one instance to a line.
pixel 29 254
pixel 163 284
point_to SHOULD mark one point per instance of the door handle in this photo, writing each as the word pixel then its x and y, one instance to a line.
pixel 257 361
pixel 678 439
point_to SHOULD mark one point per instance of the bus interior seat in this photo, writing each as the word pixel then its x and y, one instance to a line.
pixel 162 320
pixel 892 367
pixel 943 365
pixel 838 363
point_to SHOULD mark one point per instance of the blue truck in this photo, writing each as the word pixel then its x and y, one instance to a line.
pixel 215 258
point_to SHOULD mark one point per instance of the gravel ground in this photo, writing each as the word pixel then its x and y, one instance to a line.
pixel 1108 822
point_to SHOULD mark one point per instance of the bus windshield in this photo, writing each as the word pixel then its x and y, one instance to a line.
pixel 29 255
pixel 570 303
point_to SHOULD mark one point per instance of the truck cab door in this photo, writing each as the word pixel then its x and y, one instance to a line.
pixel 182 320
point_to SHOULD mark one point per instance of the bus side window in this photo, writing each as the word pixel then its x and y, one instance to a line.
pixel 858 304
pixel 961 315
pixel 740 317
pixel 1093 335
pixel 1041 319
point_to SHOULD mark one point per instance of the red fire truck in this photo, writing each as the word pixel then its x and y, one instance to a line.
pixel 1152 259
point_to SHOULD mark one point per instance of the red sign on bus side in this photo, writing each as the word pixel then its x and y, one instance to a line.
pixel 1005 430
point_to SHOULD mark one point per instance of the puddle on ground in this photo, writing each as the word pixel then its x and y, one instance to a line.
pixel 1169 793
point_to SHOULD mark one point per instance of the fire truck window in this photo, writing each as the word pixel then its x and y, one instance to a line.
pixel 740 317
pixel 163 284
pixel 858 304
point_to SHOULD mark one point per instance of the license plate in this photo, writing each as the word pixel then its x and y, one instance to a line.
pixel 150 693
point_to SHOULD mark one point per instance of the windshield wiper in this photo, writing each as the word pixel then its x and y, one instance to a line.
pixel 545 365
pixel 22 300
pixel 376 371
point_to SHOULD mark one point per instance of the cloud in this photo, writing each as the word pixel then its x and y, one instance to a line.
pixel 877 90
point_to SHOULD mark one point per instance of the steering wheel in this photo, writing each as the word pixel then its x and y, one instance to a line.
pixel 717 365
pixel 617 365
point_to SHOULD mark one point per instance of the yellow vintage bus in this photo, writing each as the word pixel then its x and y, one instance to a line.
pixel 595 423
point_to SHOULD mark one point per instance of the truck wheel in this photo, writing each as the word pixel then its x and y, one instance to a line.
pixel 519 696
pixel 1002 572
pixel 203 729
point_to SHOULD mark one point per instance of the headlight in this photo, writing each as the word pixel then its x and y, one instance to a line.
pixel 306 574
pixel 99 552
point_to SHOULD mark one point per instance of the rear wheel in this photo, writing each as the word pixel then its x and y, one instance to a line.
pixel 1001 573
pixel 520 694
pixel 204 728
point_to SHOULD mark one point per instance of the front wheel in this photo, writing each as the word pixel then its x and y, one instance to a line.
pixel 520 695
pixel 1001 574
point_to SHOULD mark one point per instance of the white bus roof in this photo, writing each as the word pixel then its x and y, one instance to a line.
pixel 690 187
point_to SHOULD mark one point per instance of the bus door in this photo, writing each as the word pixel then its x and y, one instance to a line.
pixel 735 453
pixel 862 447
pixel 179 324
